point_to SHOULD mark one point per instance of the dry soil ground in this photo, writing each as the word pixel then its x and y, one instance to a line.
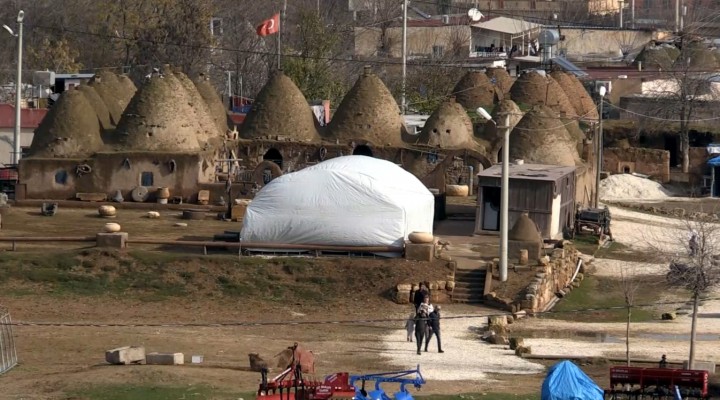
pixel 142 286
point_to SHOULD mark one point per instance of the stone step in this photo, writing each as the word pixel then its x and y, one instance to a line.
pixel 467 299
pixel 470 280
pixel 468 290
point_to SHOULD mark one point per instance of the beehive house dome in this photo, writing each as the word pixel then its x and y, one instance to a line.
pixel 474 90
pixel 525 230
pixel 159 119
pixel 368 113
pixel 449 127
pixel 213 101
pixel 541 138
pixel 280 109
pixel 70 129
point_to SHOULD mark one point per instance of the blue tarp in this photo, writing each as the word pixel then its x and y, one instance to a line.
pixel 565 381
pixel 715 162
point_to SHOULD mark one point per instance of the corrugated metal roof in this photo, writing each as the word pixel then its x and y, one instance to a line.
pixel 569 67
pixel 507 25
pixel 537 172
pixel 29 117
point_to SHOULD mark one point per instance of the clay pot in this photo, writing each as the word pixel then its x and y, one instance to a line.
pixel 457 190
pixel 107 211
pixel 163 193
pixel 112 227
pixel 421 237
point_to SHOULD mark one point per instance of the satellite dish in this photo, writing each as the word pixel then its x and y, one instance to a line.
pixel 475 14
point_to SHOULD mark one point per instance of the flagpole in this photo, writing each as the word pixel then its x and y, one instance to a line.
pixel 279 41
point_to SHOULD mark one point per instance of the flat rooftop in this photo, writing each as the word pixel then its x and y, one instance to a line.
pixel 538 172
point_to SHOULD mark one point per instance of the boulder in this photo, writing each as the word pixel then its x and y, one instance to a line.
pixel 421 237
pixel 112 227
pixel 668 316
pixel 125 355
pixel 520 351
pixel 457 190
pixel 107 211
pixel 499 339
pixel 450 285
pixel 516 342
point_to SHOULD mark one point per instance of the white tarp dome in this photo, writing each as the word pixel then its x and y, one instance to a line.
pixel 344 201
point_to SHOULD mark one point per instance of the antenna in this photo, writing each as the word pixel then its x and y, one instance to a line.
pixel 475 14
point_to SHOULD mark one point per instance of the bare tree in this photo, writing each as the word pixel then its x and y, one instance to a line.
pixel 629 284
pixel 684 86
pixel 693 247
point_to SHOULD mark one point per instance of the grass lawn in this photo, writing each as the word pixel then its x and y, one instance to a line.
pixel 600 293
pixel 200 392
pixel 154 392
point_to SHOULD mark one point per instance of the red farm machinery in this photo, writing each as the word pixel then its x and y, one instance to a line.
pixel 657 383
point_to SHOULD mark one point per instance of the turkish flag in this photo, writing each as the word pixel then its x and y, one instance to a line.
pixel 270 26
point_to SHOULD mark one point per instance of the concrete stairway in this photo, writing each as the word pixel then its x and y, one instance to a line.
pixel 469 285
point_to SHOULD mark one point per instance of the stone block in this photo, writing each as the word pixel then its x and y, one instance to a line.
pixel 125 355
pixel 419 252
pixel 441 285
pixel 91 196
pixel 523 257
pixel 237 212
pixel 544 260
pixel 165 359
pixel 520 314
pixel 450 285
pixel 404 287
pixel 522 350
pixel 516 342
pixel 497 320
pixel 117 240
pixel 708 366
pixel 402 297
pixel 499 339
pixel 433 286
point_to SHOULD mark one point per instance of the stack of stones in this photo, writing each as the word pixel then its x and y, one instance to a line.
pixel 439 291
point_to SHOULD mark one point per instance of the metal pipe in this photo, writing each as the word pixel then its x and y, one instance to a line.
pixel 47 239
pixel 677 15
pixel 504 199
pixel 622 3
pixel 260 245
pixel 18 88
pixel 632 13
pixel 404 58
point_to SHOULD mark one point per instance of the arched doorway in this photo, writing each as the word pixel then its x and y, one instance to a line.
pixel 274 155
pixel 362 150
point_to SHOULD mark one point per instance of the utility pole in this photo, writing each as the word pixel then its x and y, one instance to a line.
pixel 18 92
pixel 279 41
pixel 403 102
pixel 632 13
pixel 504 198
pixel 677 15
pixel 229 87
pixel 622 4
pixel 599 150
pixel 683 13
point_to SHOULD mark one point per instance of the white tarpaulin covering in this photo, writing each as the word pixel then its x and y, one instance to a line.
pixel 344 201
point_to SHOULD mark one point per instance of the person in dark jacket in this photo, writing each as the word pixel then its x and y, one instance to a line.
pixel 420 295
pixel 421 324
pixel 434 329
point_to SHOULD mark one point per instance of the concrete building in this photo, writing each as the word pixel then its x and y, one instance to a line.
pixel 29 119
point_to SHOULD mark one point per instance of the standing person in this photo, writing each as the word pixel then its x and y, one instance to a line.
pixel 420 295
pixel 410 326
pixel 693 242
pixel 421 318
pixel 663 362
pixel 434 329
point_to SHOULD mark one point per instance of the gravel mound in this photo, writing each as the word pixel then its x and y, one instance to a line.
pixel 631 187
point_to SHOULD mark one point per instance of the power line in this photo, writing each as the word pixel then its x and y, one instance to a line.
pixel 322 322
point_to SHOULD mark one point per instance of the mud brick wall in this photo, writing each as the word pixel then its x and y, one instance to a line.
pixel 698 164
pixel 653 162
pixel 404 293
